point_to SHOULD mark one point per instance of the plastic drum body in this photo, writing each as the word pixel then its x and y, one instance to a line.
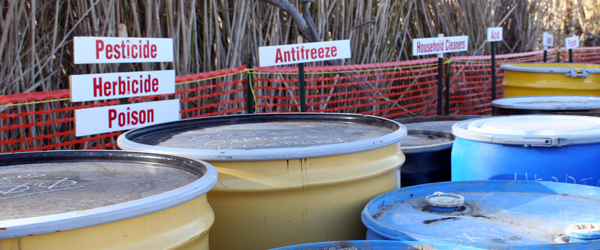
pixel 104 200
pixel 285 179
pixel 532 79
pixel 376 245
pixel 559 148
pixel 488 214
pixel 427 157
pixel 556 104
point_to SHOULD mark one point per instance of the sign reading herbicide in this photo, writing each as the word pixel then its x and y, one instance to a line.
pixel 120 117
pixel 122 50
pixel 439 45
pixel 494 34
pixel 95 87
pixel 303 53
pixel 572 42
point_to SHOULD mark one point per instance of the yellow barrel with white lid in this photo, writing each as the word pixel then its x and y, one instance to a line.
pixel 285 178
pixel 534 79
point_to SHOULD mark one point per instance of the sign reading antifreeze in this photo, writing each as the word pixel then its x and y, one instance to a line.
pixel 91 121
pixel 121 50
pixel 547 39
pixel 438 45
pixel 303 53
pixel 93 87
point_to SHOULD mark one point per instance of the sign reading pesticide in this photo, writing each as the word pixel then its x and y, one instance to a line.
pixel 572 42
pixel 494 34
pixel 438 45
pixel 120 117
pixel 95 87
pixel 303 53
pixel 547 39
pixel 121 50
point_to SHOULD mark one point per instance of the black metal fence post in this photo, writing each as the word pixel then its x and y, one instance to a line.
pixel 250 89
pixel 448 88
pixel 440 84
pixel 302 87
pixel 493 75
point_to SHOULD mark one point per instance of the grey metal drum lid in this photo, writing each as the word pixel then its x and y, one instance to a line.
pixel 557 102
pixel 266 136
pixel 439 123
pixel 495 213
pixel 76 188
pixel 418 141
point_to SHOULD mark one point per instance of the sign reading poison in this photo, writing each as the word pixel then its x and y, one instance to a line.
pixel 494 34
pixel 120 117
pixel 121 50
pixel 572 42
pixel 303 53
pixel 95 87
pixel 439 45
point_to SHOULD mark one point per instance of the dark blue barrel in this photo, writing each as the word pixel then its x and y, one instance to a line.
pixel 427 157
pixel 489 214
pixel 557 148
pixel 376 245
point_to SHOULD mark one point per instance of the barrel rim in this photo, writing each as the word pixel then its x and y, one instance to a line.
pixel 400 195
pixel 509 102
pixel 373 244
pixel 124 140
pixel 102 215
pixel 549 69
pixel 461 130
pixel 430 147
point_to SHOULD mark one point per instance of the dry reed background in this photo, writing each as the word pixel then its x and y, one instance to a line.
pixel 36 35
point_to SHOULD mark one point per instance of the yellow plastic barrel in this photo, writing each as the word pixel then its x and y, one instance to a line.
pixel 534 79
pixel 285 179
pixel 104 200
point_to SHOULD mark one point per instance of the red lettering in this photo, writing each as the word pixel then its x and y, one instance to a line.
pixel 334 51
pixel 97 87
pixel 134 118
pixel 121 119
pixel 146 50
pixel 278 56
pixel 112 115
pixel 122 87
pixel 286 56
pixel 109 49
pixel 117 52
pixel 150 115
pixel 142 117
pixel 107 88
pixel 327 52
pixel 99 47
pixel 313 53
pixel 321 52
pixel 155 85
pixel 147 83
pixel 134 53
pixel 153 51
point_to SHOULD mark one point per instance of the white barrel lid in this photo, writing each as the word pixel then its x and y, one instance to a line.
pixel 531 130
pixel 551 102
pixel 548 68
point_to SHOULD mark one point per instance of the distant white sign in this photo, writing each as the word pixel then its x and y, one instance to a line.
pixel 572 42
pixel 547 39
pixel 303 53
pixel 121 117
pixel 93 87
pixel 89 49
pixel 437 45
pixel 494 34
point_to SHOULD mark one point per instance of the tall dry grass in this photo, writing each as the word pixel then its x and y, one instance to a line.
pixel 36 36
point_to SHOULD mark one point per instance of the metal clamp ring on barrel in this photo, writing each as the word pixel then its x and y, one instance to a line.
pixel 573 73
pixel 538 141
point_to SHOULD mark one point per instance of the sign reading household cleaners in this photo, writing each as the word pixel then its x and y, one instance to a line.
pixel 572 42
pixel 440 45
pixel 93 87
pixel 303 53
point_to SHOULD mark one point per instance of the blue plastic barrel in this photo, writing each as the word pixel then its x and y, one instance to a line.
pixel 489 214
pixel 557 148
pixel 376 245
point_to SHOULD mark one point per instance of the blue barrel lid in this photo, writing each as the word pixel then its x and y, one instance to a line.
pixel 549 102
pixel 531 130
pixel 376 245
pixel 495 213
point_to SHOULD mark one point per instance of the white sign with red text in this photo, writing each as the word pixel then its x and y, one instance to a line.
pixel 494 34
pixel 303 53
pixel 93 87
pixel 547 39
pixel 439 45
pixel 89 49
pixel 572 42
pixel 92 121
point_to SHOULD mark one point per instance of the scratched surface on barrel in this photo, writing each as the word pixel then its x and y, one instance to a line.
pixel 495 212
pixel 266 135
pixel 32 190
